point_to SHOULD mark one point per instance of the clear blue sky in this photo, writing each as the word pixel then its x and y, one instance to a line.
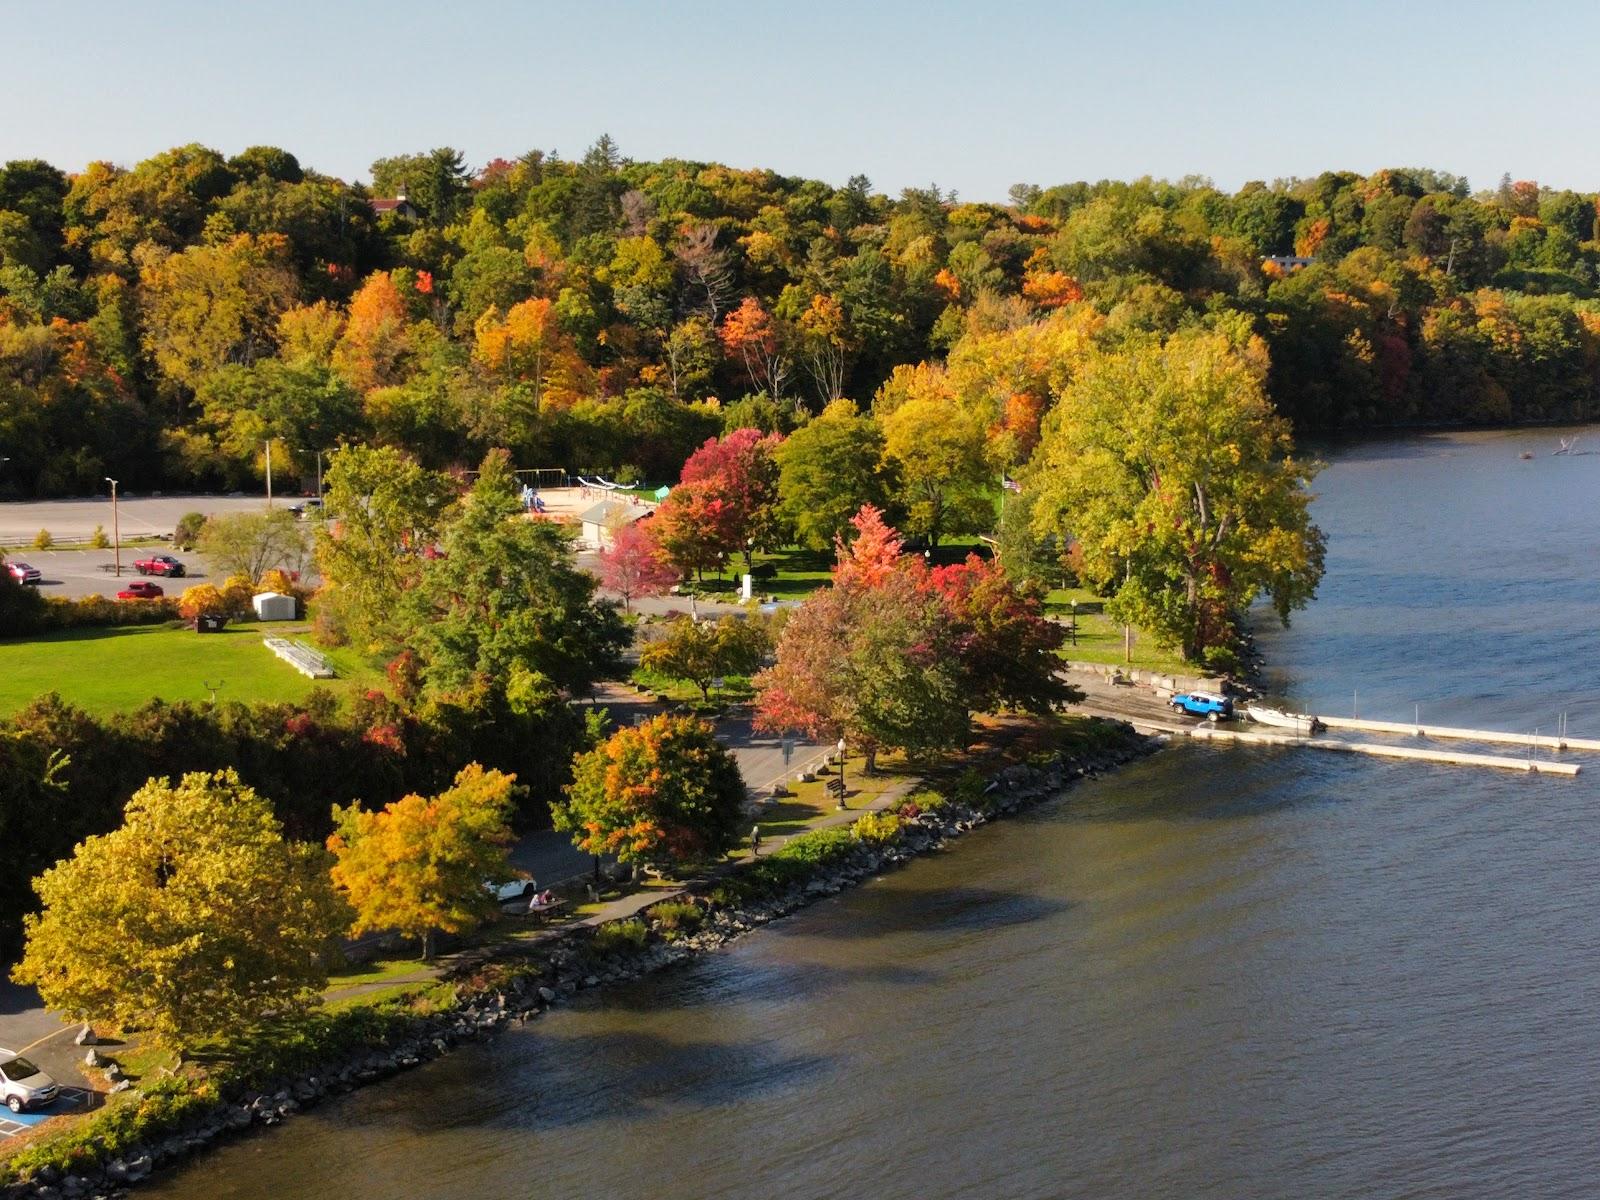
pixel 975 96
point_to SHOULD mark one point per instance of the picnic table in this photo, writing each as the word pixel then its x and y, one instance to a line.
pixel 542 911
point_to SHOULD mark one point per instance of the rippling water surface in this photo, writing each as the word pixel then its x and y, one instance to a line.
pixel 1219 973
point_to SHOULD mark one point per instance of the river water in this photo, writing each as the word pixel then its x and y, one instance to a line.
pixel 1217 973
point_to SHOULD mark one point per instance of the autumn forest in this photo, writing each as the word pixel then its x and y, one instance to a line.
pixel 160 323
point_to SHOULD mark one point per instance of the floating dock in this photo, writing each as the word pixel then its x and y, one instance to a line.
pixel 1410 729
pixel 1379 750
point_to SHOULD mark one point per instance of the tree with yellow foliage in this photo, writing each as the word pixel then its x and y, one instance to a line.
pixel 418 866
pixel 192 920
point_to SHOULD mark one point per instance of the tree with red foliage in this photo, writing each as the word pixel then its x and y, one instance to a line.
pixel 633 565
pixel 1006 643
pixel 696 527
pixel 742 470
pixel 895 655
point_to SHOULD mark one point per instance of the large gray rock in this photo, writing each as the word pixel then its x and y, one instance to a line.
pixel 93 1059
pixel 85 1036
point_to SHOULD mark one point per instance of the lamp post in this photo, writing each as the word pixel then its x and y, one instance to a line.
pixel 116 528
pixel 269 472
pixel 842 804
pixel 1073 628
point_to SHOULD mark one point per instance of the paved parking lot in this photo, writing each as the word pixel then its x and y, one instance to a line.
pixel 137 516
pixel 76 573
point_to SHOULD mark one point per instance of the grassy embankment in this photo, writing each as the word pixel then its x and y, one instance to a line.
pixel 105 670
pixel 1099 638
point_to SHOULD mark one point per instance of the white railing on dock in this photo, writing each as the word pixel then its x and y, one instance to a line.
pixel 1538 766
pixel 1412 729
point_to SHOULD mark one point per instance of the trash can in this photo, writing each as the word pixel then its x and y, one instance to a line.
pixel 209 623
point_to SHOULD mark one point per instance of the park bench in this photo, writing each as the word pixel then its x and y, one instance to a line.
pixel 835 788
pixel 301 657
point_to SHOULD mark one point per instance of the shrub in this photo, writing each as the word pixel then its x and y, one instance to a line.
pixel 971 788
pixel 237 592
pixel 674 916
pixel 201 600
pixel 877 828
pixel 923 801
pixel 188 529
pixel 42 540
pixel 819 848
pixel 620 936
pixel 98 539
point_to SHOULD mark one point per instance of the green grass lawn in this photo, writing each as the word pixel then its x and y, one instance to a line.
pixel 112 669
pixel 1099 638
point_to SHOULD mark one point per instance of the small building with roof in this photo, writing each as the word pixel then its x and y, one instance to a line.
pixel 601 522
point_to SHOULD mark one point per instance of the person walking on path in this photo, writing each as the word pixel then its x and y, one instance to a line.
pixel 755 841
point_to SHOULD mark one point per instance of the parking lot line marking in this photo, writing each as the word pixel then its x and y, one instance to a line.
pixel 46 1038
pixel 10 1128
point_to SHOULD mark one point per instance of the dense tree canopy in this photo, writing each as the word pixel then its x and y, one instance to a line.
pixel 601 313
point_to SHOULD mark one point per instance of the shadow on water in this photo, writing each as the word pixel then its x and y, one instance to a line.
pixel 935 911
pixel 541 1083
pixel 790 980
pixel 1211 783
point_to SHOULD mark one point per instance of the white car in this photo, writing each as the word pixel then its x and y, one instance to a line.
pixel 511 889
pixel 23 1085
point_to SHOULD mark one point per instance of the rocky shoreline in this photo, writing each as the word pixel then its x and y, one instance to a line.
pixel 526 987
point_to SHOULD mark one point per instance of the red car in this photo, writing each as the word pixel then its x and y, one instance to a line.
pixel 142 589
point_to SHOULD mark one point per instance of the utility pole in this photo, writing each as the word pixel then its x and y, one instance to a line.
pixel 269 473
pixel 319 475
pixel 116 528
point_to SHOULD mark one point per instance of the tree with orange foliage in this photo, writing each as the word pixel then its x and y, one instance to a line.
pixel 663 793
pixel 750 335
pixel 377 344
pixel 418 866
pixel 1052 289
pixel 523 344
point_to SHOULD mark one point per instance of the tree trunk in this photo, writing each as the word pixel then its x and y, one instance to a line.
pixel 427 945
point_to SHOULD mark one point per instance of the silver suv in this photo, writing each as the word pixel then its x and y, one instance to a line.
pixel 23 1085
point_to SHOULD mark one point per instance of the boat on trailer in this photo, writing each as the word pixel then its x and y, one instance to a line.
pixel 1300 723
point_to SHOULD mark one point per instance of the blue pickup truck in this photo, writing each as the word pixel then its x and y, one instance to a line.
pixel 1203 704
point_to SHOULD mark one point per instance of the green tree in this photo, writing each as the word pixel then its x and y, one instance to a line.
pixel 418 866
pixel 701 651
pixel 388 509
pixel 194 919
pixel 503 605
pixel 829 468
pixel 938 451
pixel 664 793
pixel 252 543
pixel 1168 466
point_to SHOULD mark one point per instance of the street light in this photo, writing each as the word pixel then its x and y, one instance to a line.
pixel 269 472
pixel 842 804
pixel 116 527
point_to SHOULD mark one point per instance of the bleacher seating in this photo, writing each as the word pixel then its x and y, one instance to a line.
pixel 301 657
